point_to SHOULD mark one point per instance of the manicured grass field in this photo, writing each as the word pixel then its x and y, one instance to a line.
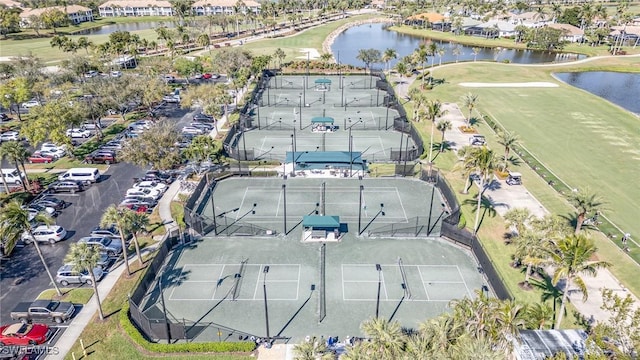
pixel 292 45
pixel 583 139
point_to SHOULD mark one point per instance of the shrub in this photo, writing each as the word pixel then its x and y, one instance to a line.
pixel 462 223
pixel 216 347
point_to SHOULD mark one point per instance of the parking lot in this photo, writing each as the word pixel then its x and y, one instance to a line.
pixel 22 277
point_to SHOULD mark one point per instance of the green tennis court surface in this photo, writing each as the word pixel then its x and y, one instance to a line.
pixel 220 282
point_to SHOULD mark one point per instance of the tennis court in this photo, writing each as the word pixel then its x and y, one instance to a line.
pixel 234 201
pixel 221 283
pixel 273 145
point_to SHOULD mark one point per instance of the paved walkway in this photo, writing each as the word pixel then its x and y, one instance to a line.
pixel 505 197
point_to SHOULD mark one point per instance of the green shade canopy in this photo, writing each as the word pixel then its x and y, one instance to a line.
pixel 322 120
pixel 318 221
pixel 323 82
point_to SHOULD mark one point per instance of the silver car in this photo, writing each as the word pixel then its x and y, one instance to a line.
pixel 67 275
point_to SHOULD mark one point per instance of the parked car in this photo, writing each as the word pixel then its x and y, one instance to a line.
pixel 109 231
pixel 69 186
pixel 116 74
pixel 142 198
pixel 61 150
pixel 113 145
pixel 197 76
pixel 39 158
pixel 140 124
pixel 10 136
pixel 21 334
pixel 91 74
pixel 138 202
pixel 53 155
pixel 43 310
pixel 67 275
pixel 103 262
pixel 158 176
pixel 171 98
pixel 204 127
pixel 151 185
pixel 30 104
pixel 169 79
pixel 35 208
pixel 192 130
pixel 4 117
pixel 139 208
pixel 43 233
pixel 101 157
pixel 203 118
pixel 215 76
pixel 152 193
pixel 110 246
pixel 78 133
pixel 52 202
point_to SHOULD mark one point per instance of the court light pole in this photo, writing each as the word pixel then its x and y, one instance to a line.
pixel 299 112
pixel 213 206
pixel 295 140
pixel 265 271
pixel 379 269
pixel 284 198
pixel 351 147
pixel 360 210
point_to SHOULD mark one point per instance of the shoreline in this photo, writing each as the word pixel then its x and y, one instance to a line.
pixel 328 41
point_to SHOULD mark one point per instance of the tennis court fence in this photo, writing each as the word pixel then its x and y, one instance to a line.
pixel 419 226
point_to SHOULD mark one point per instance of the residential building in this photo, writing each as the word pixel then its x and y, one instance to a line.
pixel 493 29
pixel 571 33
pixel 530 19
pixel 77 14
pixel 217 7
pixel 135 8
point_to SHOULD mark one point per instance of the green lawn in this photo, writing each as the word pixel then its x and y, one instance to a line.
pixel 571 132
pixel 74 295
pixel 311 38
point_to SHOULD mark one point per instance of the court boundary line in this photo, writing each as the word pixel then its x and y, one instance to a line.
pixel 241 202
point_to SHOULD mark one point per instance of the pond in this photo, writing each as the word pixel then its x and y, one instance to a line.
pixel 622 89
pixel 135 26
pixel 377 36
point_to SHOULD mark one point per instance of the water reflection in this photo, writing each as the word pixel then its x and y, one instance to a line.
pixel 622 89
pixel 378 37
pixel 136 26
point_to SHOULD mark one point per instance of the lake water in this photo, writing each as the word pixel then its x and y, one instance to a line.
pixel 108 29
pixel 622 89
pixel 376 36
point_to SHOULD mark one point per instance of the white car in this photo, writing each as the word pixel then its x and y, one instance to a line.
pixel 116 74
pixel 148 192
pixel 30 104
pixel 60 149
pixel 171 98
pixel 54 153
pixel 10 136
pixel 192 130
pixel 44 209
pixel 78 133
pixel 153 185
pixel 43 233
pixel 91 74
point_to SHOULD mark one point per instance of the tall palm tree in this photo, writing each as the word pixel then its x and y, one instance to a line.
pixel 17 219
pixel 401 68
pixel 4 181
pixel 421 54
pixel 485 162
pixel 538 315
pixel 465 165
pixel 443 126
pixel 84 258
pixel 476 51
pixel 456 52
pixel 14 151
pixel 470 101
pixel 571 257
pixel 388 55
pixel 138 223
pixel 508 140
pixel 114 215
pixel 530 250
pixel 585 201
pixel 386 339
pixel 433 112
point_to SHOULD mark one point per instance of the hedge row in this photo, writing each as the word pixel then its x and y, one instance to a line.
pixel 193 347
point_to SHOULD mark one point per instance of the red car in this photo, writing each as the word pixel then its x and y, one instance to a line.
pixel 207 76
pixel 139 208
pixel 38 158
pixel 23 334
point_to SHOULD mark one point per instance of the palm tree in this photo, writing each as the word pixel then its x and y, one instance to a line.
pixel 456 52
pixel 470 101
pixel 518 218
pixel 508 140
pixel 138 223
pixel 443 126
pixel 84 258
pixel 529 250
pixel 538 315
pixel 315 349
pixel 476 51
pixel 571 257
pixel 15 152
pixel 420 54
pixel 114 215
pixel 4 181
pixel 585 201
pixel 386 340
pixel 388 55
pixel 401 68
pixel 326 57
pixel 17 219
pixel 204 41
pixel 433 111
pixel 465 165
pixel 280 54
pixel 484 162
